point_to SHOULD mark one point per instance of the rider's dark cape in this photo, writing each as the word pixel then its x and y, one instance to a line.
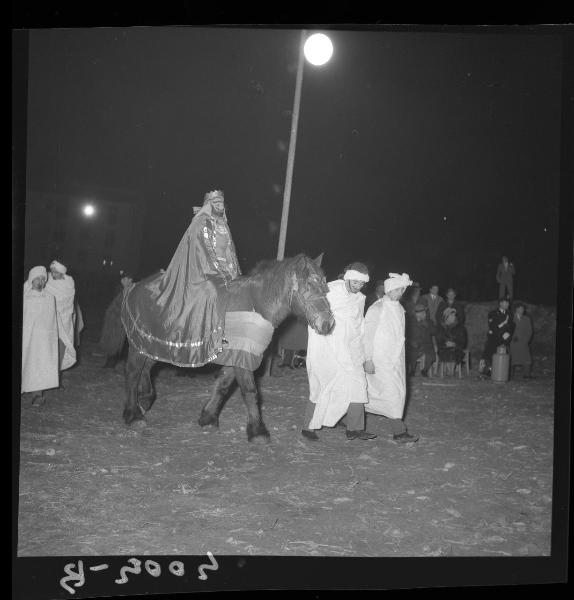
pixel 178 316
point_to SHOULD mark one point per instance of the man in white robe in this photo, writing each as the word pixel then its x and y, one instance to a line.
pixel 335 362
pixel 384 346
pixel 39 337
pixel 62 287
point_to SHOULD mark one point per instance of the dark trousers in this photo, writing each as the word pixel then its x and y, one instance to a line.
pixel 61 352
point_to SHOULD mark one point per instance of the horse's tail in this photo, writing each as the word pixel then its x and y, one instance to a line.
pixel 113 333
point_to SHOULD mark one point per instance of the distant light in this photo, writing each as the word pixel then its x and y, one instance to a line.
pixel 545 229
pixel 318 49
pixel 104 262
pixel 89 210
pixel 444 218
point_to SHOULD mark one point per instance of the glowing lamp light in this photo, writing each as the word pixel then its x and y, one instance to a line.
pixel 88 210
pixel 318 49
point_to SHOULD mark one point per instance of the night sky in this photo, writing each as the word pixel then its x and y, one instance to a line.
pixel 414 148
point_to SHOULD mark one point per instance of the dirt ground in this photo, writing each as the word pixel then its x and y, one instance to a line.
pixel 478 483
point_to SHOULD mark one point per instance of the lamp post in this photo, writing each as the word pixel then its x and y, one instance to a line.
pixel 318 50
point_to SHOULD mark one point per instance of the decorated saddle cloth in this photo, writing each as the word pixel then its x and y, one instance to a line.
pixel 178 325
pixel 247 335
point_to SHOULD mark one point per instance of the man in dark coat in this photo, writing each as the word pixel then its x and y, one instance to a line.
pixel 419 341
pixel 178 315
pixel 431 302
pixel 500 329
pixel 505 278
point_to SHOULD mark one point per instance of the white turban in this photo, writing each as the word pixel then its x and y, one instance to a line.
pixel 397 281
pixel 37 272
pixel 58 266
pixel 353 275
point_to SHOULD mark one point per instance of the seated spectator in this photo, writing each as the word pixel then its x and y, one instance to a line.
pixel 419 342
pixel 452 339
pixel 500 329
pixel 40 361
pixel 520 343
pixel 451 303
pixel 431 302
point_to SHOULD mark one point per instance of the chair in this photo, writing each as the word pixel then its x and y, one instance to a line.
pixel 458 367
pixel 434 366
pixel 421 362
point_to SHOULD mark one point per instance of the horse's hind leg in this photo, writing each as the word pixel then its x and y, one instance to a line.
pixel 256 429
pixel 211 409
pixel 135 366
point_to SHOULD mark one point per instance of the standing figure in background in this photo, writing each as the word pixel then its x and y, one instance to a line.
pixel 431 302
pixel 420 343
pixel 112 341
pixel 452 339
pixel 500 329
pixel 384 343
pixel 520 343
pixel 335 362
pixel 505 278
pixel 62 287
pixel 40 365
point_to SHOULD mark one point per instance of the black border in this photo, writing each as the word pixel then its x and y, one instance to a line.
pixel 39 577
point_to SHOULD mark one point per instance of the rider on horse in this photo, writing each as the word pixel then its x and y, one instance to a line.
pixel 178 315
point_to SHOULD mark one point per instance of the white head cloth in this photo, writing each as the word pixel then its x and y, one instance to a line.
pixel 37 272
pixel 58 266
pixel 34 272
pixel 353 275
pixel 396 281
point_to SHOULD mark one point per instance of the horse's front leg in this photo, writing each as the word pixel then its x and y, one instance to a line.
pixel 134 367
pixel 256 429
pixel 211 409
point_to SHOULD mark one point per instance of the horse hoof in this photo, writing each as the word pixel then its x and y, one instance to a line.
pixel 131 418
pixel 259 439
pixel 206 419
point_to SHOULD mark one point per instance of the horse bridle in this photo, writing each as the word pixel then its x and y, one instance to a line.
pixel 311 299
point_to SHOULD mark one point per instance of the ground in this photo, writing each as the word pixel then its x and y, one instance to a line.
pixel 478 483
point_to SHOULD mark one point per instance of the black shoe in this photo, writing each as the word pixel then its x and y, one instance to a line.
pixel 405 438
pixel 360 435
pixel 310 435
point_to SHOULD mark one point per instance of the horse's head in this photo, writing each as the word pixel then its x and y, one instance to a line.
pixel 308 296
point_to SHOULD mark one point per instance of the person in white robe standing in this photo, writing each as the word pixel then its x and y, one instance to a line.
pixel 62 287
pixel 384 346
pixel 335 362
pixel 39 337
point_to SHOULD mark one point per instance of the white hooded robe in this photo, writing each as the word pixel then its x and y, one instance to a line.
pixel 64 291
pixel 385 346
pixel 335 361
pixel 39 341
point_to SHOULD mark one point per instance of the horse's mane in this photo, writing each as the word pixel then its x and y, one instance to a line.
pixel 271 277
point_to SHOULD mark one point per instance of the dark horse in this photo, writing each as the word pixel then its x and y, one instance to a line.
pixel 274 289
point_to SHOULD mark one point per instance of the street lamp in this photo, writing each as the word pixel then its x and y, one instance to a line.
pixel 317 49
pixel 88 210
